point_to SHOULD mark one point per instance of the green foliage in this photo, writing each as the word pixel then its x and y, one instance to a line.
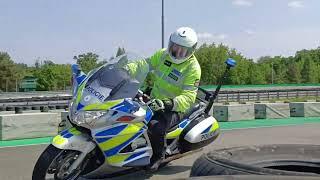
pixel 87 61
pixel 309 71
pixel 255 74
pixel 293 73
pixel 304 67
pixel 52 76
pixel 45 79
pixel 211 59
pixel 10 73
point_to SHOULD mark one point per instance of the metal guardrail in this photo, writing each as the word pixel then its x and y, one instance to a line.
pixel 229 95
pixel 266 95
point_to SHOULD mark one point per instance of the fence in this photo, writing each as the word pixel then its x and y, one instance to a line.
pixel 266 95
pixel 230 95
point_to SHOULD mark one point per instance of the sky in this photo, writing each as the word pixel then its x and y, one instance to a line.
pixel 58 30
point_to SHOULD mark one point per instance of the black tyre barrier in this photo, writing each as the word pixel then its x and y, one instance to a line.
pixel 60 106
pixel 66 107
pixel 44 109
pixel 26 108
pixel 51 107
pixel 18 110
pixel 9 108
pixel 285 159
pixel 35 108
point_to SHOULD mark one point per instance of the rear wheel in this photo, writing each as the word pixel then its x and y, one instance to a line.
pixel 55 163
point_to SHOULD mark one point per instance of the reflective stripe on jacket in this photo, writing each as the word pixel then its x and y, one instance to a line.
pixel 175 81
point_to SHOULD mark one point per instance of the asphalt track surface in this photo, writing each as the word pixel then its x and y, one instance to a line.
pixel 16 163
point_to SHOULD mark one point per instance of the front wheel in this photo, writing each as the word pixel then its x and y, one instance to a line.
pixel 54 163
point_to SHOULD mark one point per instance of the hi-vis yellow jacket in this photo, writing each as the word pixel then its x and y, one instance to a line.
pixel 175 81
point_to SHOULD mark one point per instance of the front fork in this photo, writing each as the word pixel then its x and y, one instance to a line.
pixel 72 139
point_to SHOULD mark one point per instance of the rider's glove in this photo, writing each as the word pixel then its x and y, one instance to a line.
pixel 157 105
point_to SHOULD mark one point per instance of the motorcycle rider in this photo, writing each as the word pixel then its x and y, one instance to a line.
pixel 175 74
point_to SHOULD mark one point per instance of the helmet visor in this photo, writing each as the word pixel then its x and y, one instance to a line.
pixel 178 51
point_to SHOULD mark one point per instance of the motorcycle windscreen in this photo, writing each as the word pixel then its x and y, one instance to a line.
pixel 118 79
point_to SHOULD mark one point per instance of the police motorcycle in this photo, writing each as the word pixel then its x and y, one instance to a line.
pixel 109 118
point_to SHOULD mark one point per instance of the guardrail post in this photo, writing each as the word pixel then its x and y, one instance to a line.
pixel 258 97
pixel 238 96
pixel 287 94
pixel 278 96
pixel 248 96
pixel 297 94
pixel 268 95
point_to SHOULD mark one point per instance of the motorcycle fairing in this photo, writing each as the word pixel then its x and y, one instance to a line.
pixel 113 140
pixel 72 139
pixel 176 132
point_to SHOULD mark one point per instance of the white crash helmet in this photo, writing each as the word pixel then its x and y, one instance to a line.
pixel 182 44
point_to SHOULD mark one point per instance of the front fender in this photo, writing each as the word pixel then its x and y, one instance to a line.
pixel 72 139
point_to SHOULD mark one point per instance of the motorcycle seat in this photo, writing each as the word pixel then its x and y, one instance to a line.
pixel 172 128
pixel 189 112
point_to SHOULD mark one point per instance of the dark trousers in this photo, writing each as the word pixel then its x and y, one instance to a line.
pixel 160 123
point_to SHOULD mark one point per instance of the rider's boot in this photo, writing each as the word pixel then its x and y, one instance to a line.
pixel 155 163
pixel 158 156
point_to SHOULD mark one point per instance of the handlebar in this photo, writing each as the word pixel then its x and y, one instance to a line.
pixel 143 97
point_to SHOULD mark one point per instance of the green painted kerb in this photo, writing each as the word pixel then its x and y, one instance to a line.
pixel 223 125
pixel 268 123
pixel 24 142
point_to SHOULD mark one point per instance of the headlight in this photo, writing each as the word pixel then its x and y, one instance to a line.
pixel 87 117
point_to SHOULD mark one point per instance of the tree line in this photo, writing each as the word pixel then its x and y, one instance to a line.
pixel 303 67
